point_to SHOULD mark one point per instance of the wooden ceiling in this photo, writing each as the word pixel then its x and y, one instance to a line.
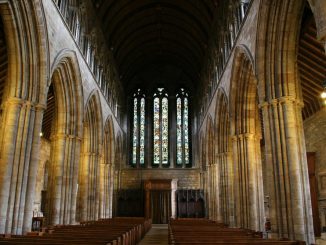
pixel 144 33
pixel 311 64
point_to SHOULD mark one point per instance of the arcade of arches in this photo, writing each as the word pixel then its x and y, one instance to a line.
pixel 166 109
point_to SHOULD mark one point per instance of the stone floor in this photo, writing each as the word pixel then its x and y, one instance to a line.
pixel 158 235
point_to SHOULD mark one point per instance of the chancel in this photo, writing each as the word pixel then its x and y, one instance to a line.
pixel 162 122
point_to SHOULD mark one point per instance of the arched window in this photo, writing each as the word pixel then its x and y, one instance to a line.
pixel 138 132
pixel 182 128
pixel 160 127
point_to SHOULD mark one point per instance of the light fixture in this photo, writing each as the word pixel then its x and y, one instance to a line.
pixel 323 94
pixel 41 134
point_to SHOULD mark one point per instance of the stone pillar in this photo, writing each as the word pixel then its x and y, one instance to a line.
pixel 230 188
pixel 217 194
pixel 103 190
pixel 172 132
pixel 75 161
pixel 56 178
pixel 111 190
pixel 290 203
pixel 249 198
pixel 63 179
pixel 35 148
pixel 209 194
pixel 20 137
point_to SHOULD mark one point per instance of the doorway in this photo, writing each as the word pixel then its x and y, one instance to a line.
pixel 159 200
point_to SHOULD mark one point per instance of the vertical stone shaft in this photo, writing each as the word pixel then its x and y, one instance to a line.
pixel 290 207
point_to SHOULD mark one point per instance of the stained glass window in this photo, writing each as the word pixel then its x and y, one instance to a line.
pixel 157 136
pixel 186 130
pixel 138 132
pixel 165 131
pixel 161 127
pixel 182 128
pixel 179 131
pixel 142 132
pixel 135 133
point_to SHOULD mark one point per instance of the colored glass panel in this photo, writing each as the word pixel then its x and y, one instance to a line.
pixel 157 142
pixel 142 132
pixel 165 131
pixel 186 130
pixel 179 131
pixel 135 133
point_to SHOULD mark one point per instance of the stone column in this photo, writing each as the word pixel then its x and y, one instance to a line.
pixel 290 203
pixel 9 134
pixel 172 132
pixel 75 161
pixel 249 196
pixel 56 178
pixel 103 189
pixel 230 188
pixel 217 194
pixel 18 164
pixel 209 194
pixel 111 190
pixel 35 148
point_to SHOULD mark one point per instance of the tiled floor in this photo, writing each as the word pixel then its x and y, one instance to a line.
pixel 158 235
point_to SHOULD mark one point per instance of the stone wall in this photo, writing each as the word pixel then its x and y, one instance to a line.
pixel 315 136
pixel 187 178
pixel 61 41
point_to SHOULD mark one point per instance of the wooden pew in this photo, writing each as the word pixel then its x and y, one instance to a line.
pixel 206 232
pixel 116 231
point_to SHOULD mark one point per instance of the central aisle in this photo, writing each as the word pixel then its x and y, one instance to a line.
pixel 158 235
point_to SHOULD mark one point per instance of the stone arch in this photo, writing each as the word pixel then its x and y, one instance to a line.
pixel 22 107
pixel 107 169
pixel 26 83
pixel 88 206
pixel 246 142
pixel 65 140
pixel 281 105
pixel 109 140
pixel 224 159
pixel 211 174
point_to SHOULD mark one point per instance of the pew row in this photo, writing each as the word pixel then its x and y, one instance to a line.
pixel 207 232
pixel 115 231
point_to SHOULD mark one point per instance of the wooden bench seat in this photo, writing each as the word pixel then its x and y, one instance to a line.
pixel 116 231
pixel 205 232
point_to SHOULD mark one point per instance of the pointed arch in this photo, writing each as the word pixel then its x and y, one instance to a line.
pixel 281 103
pixel 243 92
pixel 27 72
pixel 66 78
pixel 224 163
pixel 107 169
pixel 22 107
pixel 88 206
pixel 246 142
pixel 211 170
pixel 66 133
